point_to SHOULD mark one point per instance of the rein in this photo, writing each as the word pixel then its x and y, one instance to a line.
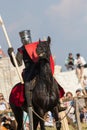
pixel 46 120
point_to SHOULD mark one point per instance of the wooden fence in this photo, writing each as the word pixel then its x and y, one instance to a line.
pixel 78 125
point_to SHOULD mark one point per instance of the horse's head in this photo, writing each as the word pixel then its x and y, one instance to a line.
pixel 43 49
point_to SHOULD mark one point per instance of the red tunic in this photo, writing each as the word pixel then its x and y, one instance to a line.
pixel 31 50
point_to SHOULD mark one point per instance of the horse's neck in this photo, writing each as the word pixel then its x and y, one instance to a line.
pixel 45 72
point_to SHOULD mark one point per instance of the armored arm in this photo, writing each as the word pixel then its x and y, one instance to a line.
pixel 19 56
pixel 10 50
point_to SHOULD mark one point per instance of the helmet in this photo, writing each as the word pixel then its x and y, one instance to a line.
pixel 25 36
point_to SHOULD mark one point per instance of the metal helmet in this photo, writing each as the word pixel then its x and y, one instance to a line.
pixel 25 36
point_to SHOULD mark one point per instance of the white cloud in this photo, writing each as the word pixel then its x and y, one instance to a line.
pixel 69 17
pixel 67 9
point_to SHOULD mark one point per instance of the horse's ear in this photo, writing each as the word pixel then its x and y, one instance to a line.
pixel 39 40
pixel 49 39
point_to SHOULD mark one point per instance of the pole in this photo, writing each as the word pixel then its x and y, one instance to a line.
pixel 77 114
pixel 9 44
pixel 30 114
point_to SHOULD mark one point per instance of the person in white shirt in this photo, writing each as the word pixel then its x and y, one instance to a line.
pixel 79 63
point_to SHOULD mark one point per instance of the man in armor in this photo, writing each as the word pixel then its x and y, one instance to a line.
pixel 29 71
pixel 31 68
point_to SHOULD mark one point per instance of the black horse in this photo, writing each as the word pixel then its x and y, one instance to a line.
pixel 45 93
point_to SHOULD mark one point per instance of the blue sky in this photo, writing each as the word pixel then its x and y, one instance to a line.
pixel 65 21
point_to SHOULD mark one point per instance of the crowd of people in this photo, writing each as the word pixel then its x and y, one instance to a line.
pixel 7 119
pixel 78 63
pixel 69 102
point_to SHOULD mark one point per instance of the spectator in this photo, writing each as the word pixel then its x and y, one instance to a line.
pixel 7 119
pixel 80 63
pixel 2 54
pixel 69 62
pixel 86 90
pixel 81 101
pixel 49 119
pixel 3 103
pixel 7 123
pixel 85 85
pixel 83 115
pixel 79 92
pixel 68 98
pixel 26 120
pixel 69 95
pixel 70 106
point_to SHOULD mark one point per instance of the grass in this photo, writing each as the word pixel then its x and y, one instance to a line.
pixel 84 127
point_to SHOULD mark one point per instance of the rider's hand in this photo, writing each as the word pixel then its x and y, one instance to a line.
pixel 10 50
